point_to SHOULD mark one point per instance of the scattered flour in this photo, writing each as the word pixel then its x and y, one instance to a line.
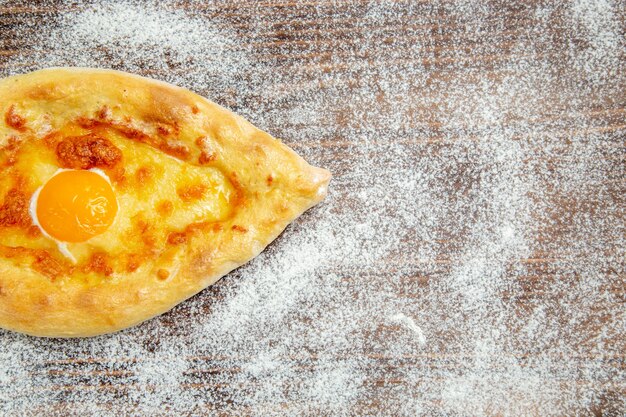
pixel 410 324
pixel 469 259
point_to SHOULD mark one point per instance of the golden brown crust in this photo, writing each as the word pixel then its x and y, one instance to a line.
pixel 201 191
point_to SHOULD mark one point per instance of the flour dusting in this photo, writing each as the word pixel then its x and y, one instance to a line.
pixel 469 259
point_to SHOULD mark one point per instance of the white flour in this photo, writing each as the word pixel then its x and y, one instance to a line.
pixel 468 261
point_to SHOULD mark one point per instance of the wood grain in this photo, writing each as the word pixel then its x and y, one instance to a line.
pixel 316 38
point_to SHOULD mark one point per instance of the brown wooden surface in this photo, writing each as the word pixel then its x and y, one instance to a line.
pixel 317 38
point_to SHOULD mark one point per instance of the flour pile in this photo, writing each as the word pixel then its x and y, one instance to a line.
pixel 469 259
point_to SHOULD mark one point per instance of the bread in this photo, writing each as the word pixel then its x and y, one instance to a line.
pixel 196 192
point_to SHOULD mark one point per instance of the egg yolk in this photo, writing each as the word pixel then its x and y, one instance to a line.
pixel 74 206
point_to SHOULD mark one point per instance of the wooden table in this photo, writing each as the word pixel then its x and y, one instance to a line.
pixel 393 73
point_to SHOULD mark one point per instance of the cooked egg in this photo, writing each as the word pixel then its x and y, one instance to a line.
pixel 74 206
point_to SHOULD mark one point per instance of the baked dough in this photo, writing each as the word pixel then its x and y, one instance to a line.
pixel 199 191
